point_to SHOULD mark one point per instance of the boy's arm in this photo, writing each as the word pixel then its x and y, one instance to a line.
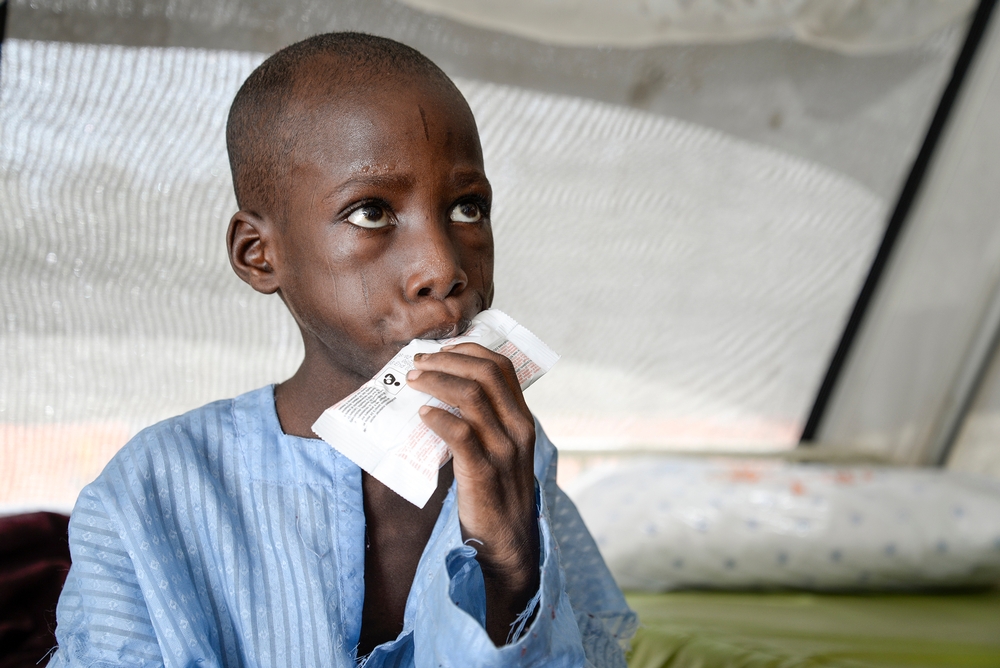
pixel 492 443
pixel 102 615
pixel 449 620
pixel 516 559
pixel 577 618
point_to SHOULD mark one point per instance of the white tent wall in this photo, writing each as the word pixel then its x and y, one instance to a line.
pixel 847 26
pixel 977 448
pixel 930 329
pixel 862 116
pixel 687 224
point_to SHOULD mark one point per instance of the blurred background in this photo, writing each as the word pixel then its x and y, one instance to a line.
pixel 689 198
pixel 764 236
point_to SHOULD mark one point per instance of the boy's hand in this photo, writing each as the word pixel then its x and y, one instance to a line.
pixel 493 447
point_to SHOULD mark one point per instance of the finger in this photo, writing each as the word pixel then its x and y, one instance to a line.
pixel 468 396
pixel 467 449
pixel 508 400
pixel 487 483
pixel 476 350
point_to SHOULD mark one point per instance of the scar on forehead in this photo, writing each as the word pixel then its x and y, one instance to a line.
pixel 423 117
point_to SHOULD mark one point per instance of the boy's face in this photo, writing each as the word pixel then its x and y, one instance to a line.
pixel 385 235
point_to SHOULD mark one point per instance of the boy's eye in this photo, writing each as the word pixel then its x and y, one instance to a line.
pixel 466 212
pixel 369 217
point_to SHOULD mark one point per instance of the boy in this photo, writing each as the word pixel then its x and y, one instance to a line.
pixel 231 536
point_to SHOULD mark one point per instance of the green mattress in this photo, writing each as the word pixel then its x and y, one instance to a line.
pixel 754 630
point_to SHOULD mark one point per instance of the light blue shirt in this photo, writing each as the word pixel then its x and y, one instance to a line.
pixel 215 539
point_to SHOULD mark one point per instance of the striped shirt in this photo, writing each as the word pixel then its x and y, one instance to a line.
pixel 215 539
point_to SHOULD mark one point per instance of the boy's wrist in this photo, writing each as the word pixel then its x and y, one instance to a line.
pixel 518 564
pixel 510 584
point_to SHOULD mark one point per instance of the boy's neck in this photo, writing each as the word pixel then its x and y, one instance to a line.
pixel 317 385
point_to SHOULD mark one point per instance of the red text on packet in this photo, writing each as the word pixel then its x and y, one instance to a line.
pixel 523 366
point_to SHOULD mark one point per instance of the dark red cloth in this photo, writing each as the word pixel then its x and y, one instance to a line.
pixel 34 560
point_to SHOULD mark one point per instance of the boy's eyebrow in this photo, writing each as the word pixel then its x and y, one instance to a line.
pixel 470 177
pixel 462 179
pixel 378 180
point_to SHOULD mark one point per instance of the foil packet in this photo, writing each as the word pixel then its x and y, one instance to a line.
pixel 378 427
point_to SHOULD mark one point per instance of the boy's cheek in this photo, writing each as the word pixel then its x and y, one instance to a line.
pixel 478 256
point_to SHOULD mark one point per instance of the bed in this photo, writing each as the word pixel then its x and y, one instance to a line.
pixel 754 630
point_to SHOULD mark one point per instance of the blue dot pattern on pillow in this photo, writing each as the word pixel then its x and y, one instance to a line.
pixel 668 523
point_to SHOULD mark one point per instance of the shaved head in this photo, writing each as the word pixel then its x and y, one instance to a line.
pixel 268 122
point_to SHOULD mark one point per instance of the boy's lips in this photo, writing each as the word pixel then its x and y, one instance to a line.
pixel 445 330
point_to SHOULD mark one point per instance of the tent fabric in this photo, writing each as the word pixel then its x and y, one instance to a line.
pixel 861 116
pixel 687 227
pixel 855 27
pixel 121 308
pixel 918 353
pixel 976 445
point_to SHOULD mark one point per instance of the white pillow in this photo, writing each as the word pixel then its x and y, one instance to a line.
pixel 677 523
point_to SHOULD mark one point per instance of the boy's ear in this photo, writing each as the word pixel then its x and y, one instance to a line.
pixel 251 249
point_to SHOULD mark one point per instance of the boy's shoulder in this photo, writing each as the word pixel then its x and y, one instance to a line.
pixel 223 448
pixel 198 440
pixel 238 437
pixel 186 433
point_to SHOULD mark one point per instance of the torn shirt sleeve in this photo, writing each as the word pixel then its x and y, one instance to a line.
pixel 605 621
pixel 578 617
pixel 103 618
pixel 449 625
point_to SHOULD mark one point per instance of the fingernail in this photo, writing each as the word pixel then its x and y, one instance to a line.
pixel 448 347
pixel 424 410
pixel 419 356
pixel 413 374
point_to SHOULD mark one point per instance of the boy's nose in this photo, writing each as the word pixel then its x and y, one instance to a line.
pixel 436 270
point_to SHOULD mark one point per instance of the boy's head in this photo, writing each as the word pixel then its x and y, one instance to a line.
pixel 363 199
